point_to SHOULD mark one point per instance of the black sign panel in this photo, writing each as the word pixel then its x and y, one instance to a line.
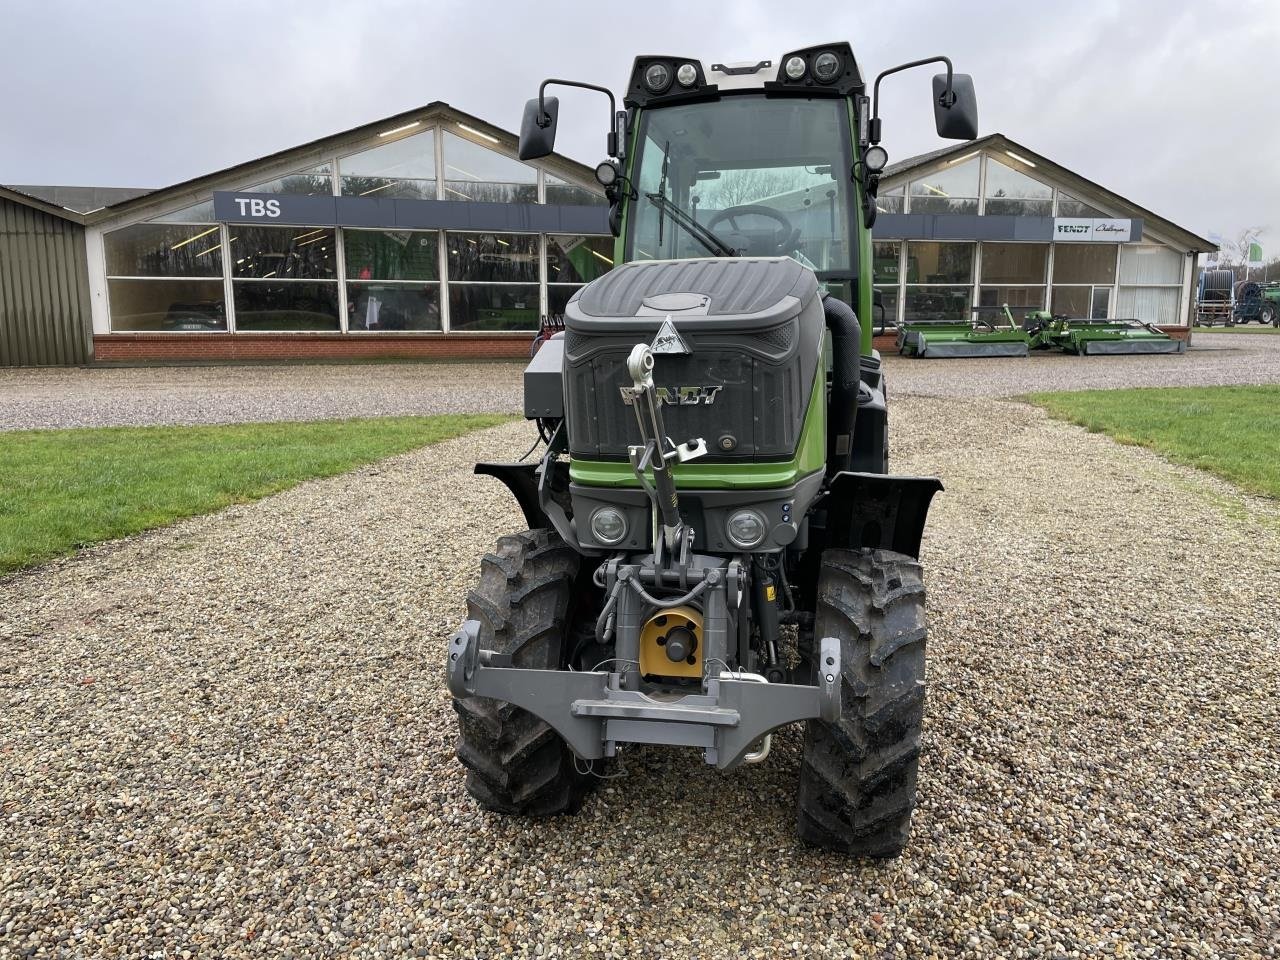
pixel 298 211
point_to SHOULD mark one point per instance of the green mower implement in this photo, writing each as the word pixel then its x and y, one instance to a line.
pixel 1094 337
pixel 714 546
pixel 983 337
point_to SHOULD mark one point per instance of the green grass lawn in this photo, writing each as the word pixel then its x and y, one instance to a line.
pixel 62 489
pixel 1233 432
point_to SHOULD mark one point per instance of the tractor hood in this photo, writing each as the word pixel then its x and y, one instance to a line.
pixel 738 293
pixel 739 370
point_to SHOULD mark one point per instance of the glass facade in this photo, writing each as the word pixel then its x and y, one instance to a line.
pixel 182 272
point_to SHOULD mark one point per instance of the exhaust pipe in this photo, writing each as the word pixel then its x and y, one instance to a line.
pixel 846 377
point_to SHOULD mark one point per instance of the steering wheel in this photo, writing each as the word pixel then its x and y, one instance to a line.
pixel 784 239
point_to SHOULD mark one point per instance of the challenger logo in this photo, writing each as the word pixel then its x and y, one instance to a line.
pixel 676 396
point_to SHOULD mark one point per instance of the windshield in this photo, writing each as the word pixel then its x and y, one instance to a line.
pixel 747 176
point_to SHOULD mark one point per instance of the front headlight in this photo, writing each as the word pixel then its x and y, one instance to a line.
pixel 794 67
pixel 657 77
pixel 745 529
pixel 826 67
pixel 609 526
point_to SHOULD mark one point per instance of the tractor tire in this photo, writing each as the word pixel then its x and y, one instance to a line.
pixel 516 763
pixel 1270 315
pixel 858 775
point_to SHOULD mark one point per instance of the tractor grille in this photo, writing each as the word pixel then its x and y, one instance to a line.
pixel 759 405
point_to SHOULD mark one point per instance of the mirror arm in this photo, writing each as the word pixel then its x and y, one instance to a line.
pixel 544 119
pixel 948 97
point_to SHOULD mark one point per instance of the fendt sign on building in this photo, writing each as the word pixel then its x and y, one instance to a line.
pixel 1095 230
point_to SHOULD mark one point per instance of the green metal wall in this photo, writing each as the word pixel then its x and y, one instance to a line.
pixel 44 289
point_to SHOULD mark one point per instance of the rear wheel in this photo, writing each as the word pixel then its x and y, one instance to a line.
pixel 1270 315
pixel 858 778
pixel 517 764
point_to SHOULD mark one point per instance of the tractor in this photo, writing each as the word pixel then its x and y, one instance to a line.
pixel 715 547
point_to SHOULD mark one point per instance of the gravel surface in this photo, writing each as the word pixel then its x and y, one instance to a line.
pixel 1213 360
pixel 37 398
pixel 232 738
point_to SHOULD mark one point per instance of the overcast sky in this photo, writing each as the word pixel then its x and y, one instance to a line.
pixel 1170 109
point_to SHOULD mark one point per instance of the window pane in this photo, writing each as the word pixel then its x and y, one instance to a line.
pixel 1014 263
pixel 938 303
pixel 153 250
pixel 286 306
pixel 578 259
pixel 482 307
pixel 1150 265
pixel 1151 304
pixel 949 190
pixel 1018 299
pixel 1072 302
pixel 393 306
pixel 1084 263
pixel 1069 206
pixel 933 262
pixel 403 169
pixel 196 213
pixel 886 315
pixel 885 260
pixel 558 298
pixel 560 192
pixel 891 201
pixel 390 254
pixel 491 192
pixel 496 257
pixel 1101 300
pixel 167 305
pixel 293 253
pixel 1012 192
pixel 464 160
pixel 316 182
pixel 473 172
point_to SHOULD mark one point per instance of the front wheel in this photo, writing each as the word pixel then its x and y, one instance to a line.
pixel 858 775
pixel 516 763
pixel 1270 315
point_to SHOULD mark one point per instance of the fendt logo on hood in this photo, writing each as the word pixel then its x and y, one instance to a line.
pixel 676 396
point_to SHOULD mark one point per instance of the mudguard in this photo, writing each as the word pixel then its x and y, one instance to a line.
pixel 522 480
pixel 878 511
pixel 537 495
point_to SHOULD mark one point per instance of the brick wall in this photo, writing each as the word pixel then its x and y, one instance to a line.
pixel 267 347
pixel 258 347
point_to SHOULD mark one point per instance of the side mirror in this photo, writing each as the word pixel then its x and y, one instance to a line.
pixel 959 119
pixel 538 128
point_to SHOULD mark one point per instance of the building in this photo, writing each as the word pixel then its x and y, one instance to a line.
pixel 990 222
pixel 423 236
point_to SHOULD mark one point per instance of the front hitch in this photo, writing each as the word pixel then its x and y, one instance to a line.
pixel 594 713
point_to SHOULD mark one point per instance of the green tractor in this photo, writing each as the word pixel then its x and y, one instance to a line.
pixel 714 547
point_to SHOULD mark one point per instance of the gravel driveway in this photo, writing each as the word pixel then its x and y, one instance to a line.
pixel 97 397
pixel 231 738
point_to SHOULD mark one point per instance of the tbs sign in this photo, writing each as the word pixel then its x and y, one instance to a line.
pixel 248 207
pixel 255 207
